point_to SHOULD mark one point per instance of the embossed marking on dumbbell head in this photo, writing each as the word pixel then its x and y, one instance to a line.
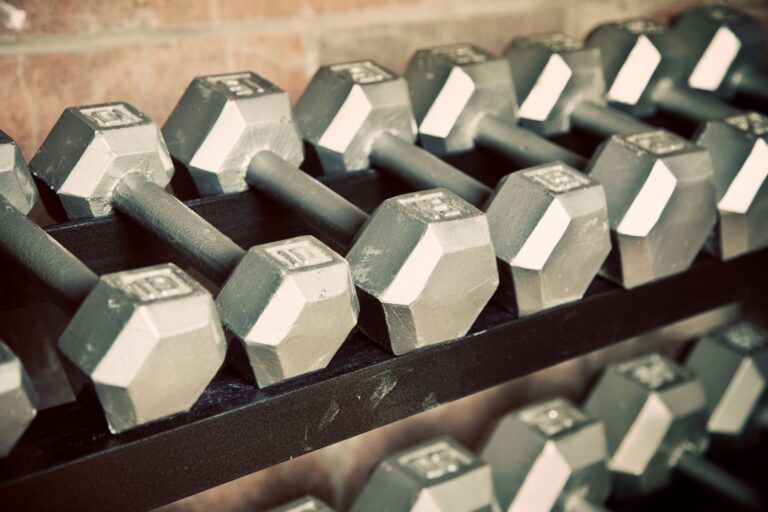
pixel 345 107
pixel 18 400
pixel 91 148
pixel 751 122
pixel 546 454
pixel 436 475
pixel 555 42
pixel 222 121
pixel 660 142
pixel 558 178
pixel 15 181
pixel 451 87
pixel 157 314
pixel 653 409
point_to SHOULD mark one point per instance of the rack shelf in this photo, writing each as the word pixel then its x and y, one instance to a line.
pixel 236 429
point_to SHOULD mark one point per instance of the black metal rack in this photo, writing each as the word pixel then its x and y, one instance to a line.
pixel 236 429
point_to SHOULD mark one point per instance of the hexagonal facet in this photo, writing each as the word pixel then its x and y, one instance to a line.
pixel 222 121
pixel 90 148
pixel 437 475
pixel 18 400
pixel 549 225
pixel 289 306
pixel 452 88
pixel 547 454
pixel 424 266
pixel 346 106
pixel 639 58
pixel 733 365
pixel 306 504
pixel 552 73
pixel 155 347
pixel 739 149
pixel 653 409
pixel 661 204
pixel 722 44
pixel 16 184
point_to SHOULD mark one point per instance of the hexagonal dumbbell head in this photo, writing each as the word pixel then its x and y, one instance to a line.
pixel 733 365
pixel 18 400
pixel 452 87
pixel 739 153
pixel 222 121
pixel 439 475
pixel 722 43
pixel 552 73
pixel 640 57
pixel 146 343
pixel 546 455
pixel 289 305
pixel 424 265
pixel 91 148
pixel 550 230
pixel 653 410
pixel 346 106
pixel 16 184
pixel 306 504
pixel 661 203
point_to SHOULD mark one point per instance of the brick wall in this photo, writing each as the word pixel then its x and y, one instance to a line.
pixel 63 53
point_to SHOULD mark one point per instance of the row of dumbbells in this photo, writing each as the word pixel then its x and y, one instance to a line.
pixel 143 344
pixel 645 420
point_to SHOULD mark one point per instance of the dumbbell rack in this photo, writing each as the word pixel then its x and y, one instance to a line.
pixel 68 459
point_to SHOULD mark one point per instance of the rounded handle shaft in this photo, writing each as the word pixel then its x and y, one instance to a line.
pixel 605 121
pixel 713 478
pixel 754 85
pixel 424 170
pixel 323 208
pixel 695 105
pixel 38 252
pixel 580 504
pixel 154 209
pixel 523 146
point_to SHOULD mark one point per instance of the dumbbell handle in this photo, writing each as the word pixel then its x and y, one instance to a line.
pixel 699 470
pixel 694 105
pixel 605 121
pixel 37 251
pixel 319 205
pixel 156 210
pixel 424 170
pixel 579 504
pixel 523 146
pixel 754 85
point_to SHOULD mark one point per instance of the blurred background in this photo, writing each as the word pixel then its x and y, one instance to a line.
pixel 58 54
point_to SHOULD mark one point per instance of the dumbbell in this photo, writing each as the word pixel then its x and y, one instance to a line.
pixel 18 399
pixel 725 52
pixel 305 504
pixel 463 97
pixel 289 305
pixel 549 456
pixel 732 363
pixel 572 75
pixel 143 344
pixel 437 475
pixel 423 263
pixel 655 416
pixel 643 63
pixel 549 225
